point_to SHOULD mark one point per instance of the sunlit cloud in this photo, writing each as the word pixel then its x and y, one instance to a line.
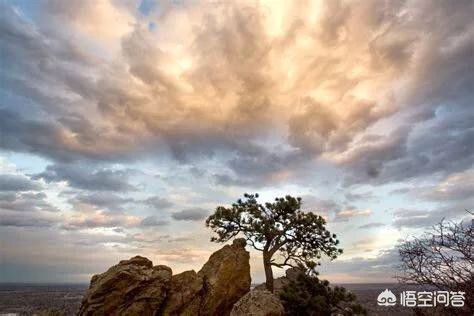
pixel 141 121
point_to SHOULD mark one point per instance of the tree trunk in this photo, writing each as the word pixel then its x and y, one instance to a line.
pixel 268 272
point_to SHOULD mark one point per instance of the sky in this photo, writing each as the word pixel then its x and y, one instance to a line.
pixel 124 123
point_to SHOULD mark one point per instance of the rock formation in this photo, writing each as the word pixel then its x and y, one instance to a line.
pixel 132 287
pixel 184 295
pixel 135 287
pixel 221 282
pixel 258 303
pixel 226 277
pixel 291 274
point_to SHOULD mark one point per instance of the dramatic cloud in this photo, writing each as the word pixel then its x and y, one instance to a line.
pixel 246 64
pixel 152 221
pixel 17 183
pixel 99 219
pixel 191 214
pixel 345 215
pixel 115 202
pixel 351 197
pixel 107 200
pixel 158 202
pixel 82 177
pixel 458 186
pixel 371 225
pixel 382 268
pixel 17 220
pixel 413 218
pixel 449 198
pixel 311 203
pixel 426 218
pixel 26 202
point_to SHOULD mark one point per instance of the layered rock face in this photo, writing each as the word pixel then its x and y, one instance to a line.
pixel 221 282
pixel 226 277
pixel 258 303
pixel 132 287
pixel 184 295
pixel 136 287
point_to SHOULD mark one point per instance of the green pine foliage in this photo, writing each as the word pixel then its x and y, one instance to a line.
pixel 310 296
pixel 286 235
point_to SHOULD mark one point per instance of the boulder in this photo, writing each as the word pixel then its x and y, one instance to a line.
pixel 184 295
pixel 258 303
pixel 136 287
pixel 291 274
pixel 132 287
pixel 221 282
pixel 227 278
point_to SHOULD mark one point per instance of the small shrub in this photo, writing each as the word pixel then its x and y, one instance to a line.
pixel 310 296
